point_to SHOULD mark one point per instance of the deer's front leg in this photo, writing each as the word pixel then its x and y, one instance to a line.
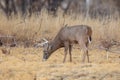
pixel 70 49
pixel 66 45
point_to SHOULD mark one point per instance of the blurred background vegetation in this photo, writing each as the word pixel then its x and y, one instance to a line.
pixel 31 20
pixel 94 8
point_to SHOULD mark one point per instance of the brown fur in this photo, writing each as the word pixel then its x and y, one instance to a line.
pixel 66 37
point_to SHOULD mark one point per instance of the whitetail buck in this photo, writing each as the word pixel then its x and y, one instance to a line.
pixel 66 37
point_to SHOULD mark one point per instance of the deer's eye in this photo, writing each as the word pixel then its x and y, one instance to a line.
pixel 45 52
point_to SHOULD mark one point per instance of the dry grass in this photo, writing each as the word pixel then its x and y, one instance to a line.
pixel 26 63
pixel 47 26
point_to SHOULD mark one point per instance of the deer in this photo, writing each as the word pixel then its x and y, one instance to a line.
pixel 66 37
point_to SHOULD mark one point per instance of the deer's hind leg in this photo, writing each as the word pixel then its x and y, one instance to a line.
pixel 85 53
pixel 84 48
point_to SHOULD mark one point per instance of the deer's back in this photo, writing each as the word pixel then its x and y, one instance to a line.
pixel 75 33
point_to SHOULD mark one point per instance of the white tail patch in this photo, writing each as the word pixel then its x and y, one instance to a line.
pixel 89 40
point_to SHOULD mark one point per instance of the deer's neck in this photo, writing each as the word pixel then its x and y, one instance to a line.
pixel 56 44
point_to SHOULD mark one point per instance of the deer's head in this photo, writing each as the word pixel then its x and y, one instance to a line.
pixel 46 49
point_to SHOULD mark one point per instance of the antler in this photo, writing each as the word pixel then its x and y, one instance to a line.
pixel 46 41
pixel 41 44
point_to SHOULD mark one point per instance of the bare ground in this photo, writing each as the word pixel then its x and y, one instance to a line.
pixel 26 64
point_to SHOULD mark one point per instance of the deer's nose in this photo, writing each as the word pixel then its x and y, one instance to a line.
pixel 43 60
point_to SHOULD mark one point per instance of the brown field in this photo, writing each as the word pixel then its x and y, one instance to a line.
pixel 26 63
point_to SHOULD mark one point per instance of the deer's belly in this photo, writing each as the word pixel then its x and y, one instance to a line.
pixel 74 42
